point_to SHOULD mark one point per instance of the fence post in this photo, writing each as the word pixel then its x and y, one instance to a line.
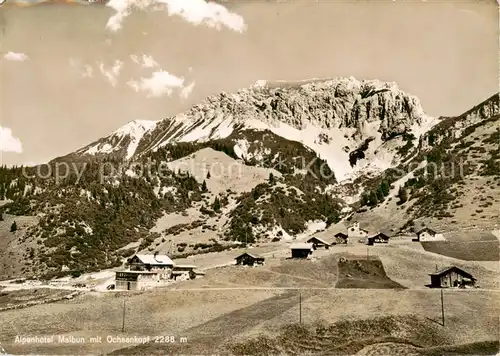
pixel 300 306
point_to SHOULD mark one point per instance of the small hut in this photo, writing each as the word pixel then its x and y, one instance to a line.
pixel 248 259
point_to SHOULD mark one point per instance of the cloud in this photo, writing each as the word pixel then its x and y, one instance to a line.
pixel 160 83
pixel 186 91
pixel 85 70
pixel 19 57
pixel 145 61
pixel 112 73
pixel 196 12
pixel 9 143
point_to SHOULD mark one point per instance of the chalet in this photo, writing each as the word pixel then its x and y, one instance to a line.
pixel 356 231
pixel 301 250
pixel 137 280
pixel 148 271
pixel 378 238
pixel 248 259
pixel 318 242
pixel 183 272
pixel 426 234
pixel 341 238
pixel 451 277
pixel 150 262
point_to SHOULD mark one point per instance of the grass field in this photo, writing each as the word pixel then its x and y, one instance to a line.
pixel 345 337
pixel 402 349
pixel 19 297
pixel 249 303
pixel 359 273
pixel 147 314
pixel 468 251
pixel 277 272
pixel 471 316
pixel 411 266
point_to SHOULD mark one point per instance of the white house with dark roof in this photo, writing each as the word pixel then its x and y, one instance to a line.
pixel 148 271
pixel 427 234
pixel 150 262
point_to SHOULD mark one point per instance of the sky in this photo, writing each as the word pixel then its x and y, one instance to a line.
pixel 70 74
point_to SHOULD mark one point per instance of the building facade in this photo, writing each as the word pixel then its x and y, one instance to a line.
pixel 341 238
pixel 149 271
pixel 301 250
pixel 451 277
pixel 247 259
pixel 137 280
pixel 378 238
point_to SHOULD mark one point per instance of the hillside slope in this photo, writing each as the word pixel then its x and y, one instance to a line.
pixel 306 154
pixel 453 181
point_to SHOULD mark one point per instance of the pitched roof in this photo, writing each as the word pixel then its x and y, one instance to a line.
pixel 301 246
pixel 249 254
pixel 449 269
pixel 426 229
pixel 185 266
pixel 319 239
pixel 380 234
pixel 158 260
pixel 340 234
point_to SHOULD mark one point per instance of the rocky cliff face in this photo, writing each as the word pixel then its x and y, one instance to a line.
pixel 454 127
pixel 332 117
pixel 338 103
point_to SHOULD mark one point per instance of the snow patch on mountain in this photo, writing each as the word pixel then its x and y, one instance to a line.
pixel 135 130
pixel 132 132
pixel 333 117
pixel 241 148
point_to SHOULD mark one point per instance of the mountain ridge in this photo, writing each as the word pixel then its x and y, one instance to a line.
pixel 314 112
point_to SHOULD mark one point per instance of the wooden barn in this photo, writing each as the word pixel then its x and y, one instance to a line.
pixel 341 238
pixel 248 259
pixel 451 276
pixel 378 238
pixel 301 250
pixel 318 242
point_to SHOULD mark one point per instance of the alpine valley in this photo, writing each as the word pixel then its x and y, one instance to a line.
pixel 272 162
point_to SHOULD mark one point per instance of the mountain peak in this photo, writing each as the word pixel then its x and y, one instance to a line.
pixel 348 83
pixel 125 139
pixel 136 127
pixel 335 117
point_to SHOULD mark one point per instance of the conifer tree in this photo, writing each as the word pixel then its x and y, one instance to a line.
pixel 216 204
pixel 403 195
pixel 13 227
